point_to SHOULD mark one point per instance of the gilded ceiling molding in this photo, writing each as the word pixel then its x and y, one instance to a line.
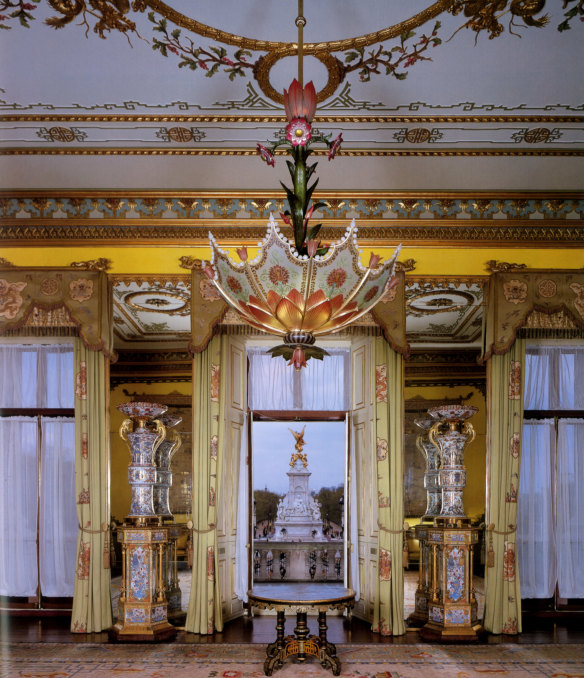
pixel 151 279
pixel 438 280
pixel 310 47
pixel 471 236
pixel 4 263
pixel 350 152
pixel 319 118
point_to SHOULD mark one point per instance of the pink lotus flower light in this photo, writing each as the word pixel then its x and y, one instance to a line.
pixel 298 359
pixel 298 297
pixel 299 102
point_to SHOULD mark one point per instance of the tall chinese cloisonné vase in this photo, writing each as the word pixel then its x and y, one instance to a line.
pixel 450 540
pixel 162 459
pixel 431 454
pixel 451 433
pixel 143 443
pixel 142 605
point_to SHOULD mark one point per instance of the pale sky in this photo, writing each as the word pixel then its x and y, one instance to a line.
pixel 273 445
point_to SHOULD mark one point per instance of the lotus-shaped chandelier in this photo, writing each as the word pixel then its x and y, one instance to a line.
pixel 299 288
pixel 300 297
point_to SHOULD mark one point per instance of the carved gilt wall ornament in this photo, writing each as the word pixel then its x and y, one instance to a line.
pixel 100 264
pixel 494 266
pixel 174 35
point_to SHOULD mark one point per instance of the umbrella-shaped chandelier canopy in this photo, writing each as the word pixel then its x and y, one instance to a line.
pixel 299 297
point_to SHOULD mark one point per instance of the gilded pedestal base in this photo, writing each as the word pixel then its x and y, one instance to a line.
pixel 142 605
pixel 452 605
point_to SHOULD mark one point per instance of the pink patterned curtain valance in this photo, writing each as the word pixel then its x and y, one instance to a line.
pixel 49 298
pixel 515 295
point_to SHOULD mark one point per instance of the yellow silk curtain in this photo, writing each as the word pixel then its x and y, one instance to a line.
pixel 92 610
pixel 505 375
pixel 388 614
pixel 204 612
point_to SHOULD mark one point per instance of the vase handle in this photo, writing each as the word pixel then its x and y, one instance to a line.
pixel 432 433
pixel 161 431
pixel 468 429
pixel 125 428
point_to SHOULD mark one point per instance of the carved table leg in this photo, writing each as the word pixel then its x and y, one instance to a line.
pixel 301 633
pixel 328 651
pixel 274 650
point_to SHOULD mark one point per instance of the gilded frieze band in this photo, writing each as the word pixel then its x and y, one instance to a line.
pixel 473 235
pixel 110 217
pixel 349 152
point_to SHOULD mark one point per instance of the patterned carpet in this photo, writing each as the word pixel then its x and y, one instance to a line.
pixel 174 660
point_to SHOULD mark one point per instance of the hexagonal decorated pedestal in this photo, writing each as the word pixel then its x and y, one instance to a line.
pixel 451 600
pixel 142 606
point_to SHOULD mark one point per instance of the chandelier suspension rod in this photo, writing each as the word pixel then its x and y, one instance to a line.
pixel 300 23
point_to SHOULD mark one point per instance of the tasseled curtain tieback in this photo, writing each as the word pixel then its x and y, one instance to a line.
pixel 504 533
pixel 105 529
pixel 405 550
pixel 192 528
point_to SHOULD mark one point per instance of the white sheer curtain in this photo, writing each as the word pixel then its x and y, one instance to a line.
pixel 58 516
pixel 241 550
pixel 36 376
pixel 553 377
pixel 273 385
pixel 18 506
pixel 536 540
pixel 354 522
pixel 550 529
pixel 570 509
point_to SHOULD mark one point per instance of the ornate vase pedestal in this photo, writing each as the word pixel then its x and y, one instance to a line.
pixel 446 599
pixel 171 581
pixel 142 606
pixel 422 596
pixel 452 605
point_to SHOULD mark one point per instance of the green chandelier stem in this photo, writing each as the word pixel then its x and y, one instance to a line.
pixel 297 209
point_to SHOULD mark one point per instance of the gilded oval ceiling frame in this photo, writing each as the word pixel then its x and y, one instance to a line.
pixel 279 50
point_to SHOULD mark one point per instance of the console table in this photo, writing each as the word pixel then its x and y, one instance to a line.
pixel 301 598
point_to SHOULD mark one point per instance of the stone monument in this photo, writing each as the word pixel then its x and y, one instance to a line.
pixel 298 518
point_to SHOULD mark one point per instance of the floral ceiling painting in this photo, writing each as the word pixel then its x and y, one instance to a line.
pixel 192 77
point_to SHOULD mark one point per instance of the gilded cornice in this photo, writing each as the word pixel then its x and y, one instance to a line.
pixel 466 235
pixel 345 119
pixel 119 217
pixel 347 152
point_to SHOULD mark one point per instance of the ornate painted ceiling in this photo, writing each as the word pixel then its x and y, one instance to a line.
pixel 184 78
pixel 137 121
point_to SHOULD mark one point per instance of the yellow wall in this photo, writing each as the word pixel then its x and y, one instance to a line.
pixel 163 258
pixel 475 453
pixel 120 452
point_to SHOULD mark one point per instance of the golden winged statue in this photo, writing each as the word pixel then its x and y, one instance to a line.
pixel 300 443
